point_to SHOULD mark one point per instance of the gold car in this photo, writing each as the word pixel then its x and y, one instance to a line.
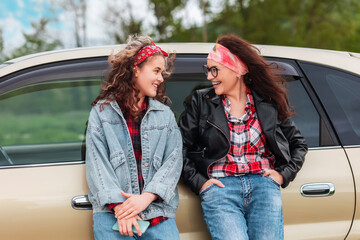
pixel 45 102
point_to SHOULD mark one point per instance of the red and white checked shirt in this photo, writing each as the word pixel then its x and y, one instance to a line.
pixel 248 151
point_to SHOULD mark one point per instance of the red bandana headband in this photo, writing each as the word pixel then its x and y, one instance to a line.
pixel 146 52
pixel 222 55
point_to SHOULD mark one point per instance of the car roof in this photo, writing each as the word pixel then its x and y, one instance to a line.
pixel 343 60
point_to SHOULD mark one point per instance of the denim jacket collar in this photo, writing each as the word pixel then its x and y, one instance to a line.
pixel 153 105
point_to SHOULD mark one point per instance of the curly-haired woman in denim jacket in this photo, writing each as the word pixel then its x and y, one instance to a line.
pixel 134 147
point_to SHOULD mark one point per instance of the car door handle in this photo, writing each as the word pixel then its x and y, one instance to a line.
pixel 81 203
pixel 317 189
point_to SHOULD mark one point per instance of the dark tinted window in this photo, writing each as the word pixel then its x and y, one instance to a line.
pixel 307 118
pixel 187 77
pixel 339 92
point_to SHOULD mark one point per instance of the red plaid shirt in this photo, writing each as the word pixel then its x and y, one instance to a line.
pixel 248 151
pixel 134 130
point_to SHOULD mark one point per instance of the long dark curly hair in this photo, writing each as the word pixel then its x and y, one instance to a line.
pixel 119 85
pixel 260 77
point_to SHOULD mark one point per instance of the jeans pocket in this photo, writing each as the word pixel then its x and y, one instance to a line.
pixel 274 181
pixel 206 189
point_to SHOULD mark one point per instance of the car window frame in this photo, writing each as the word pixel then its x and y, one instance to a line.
pixel 327 135
pixel 94 67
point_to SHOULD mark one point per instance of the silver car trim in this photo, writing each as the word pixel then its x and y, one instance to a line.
pixel 43 164
pixel 317 189
pixel 81 203
pixel 326 147
pixel 352 146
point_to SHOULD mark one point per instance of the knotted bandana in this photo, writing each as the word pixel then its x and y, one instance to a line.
pixel 146 52
pixel 222 55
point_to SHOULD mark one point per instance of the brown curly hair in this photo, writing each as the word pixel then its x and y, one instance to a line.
pixel 119 85
pixel 260 77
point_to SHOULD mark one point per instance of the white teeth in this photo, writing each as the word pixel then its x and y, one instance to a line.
pixel 155 85
pixel 216 83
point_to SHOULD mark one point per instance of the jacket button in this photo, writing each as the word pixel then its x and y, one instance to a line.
pixel 146 164
pixel 145 136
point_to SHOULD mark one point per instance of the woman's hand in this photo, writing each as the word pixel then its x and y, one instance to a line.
pixel 134 205
pixel 274 175
pixel 125 226
pixel 212 181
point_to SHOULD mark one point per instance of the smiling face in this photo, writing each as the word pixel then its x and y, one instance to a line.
pixel 148 77
pixel 226 82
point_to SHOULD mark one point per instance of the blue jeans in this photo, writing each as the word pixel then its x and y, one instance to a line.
pixel 248 207
pixel 103 222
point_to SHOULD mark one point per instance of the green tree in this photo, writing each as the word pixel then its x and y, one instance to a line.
pixel 308 23
pixel 38 41
pixel 164 11
pixel 121 25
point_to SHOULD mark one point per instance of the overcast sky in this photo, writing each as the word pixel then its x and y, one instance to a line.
pixel 16 16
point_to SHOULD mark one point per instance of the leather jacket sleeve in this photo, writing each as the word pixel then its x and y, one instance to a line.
pixel 297 148
pixel 189 129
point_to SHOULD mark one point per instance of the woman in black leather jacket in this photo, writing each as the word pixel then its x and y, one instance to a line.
pixel 240 144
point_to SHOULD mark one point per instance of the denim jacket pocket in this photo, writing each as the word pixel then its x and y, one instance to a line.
pixel 117 159
pixel 157 162
pixel 118 163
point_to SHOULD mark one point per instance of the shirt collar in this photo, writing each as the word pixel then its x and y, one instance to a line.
pixel 249 107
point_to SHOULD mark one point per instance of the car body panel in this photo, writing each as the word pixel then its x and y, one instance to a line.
pixel 41 205
pixel 37 203
pixel 317 217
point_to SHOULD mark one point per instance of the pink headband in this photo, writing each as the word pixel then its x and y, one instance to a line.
pixel 222 55
pixel 146 52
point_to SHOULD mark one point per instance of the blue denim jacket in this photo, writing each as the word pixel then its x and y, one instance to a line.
pixel 111 165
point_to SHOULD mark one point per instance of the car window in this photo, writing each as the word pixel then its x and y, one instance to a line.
pixel 339 92
pixel 45 122
pixel 346 91
pixel 187 77
pixel 306 117
pixel 44 114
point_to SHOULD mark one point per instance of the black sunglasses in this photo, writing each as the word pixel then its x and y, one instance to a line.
pixel 214 70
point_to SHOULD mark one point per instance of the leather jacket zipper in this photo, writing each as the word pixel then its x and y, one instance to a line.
pixel 202 152
pixel 227 150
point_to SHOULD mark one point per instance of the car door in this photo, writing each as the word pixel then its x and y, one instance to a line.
pixel 320 203
pixel 339 91
pixel 44 111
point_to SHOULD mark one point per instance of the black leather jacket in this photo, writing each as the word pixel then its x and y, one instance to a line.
pixel 206 137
